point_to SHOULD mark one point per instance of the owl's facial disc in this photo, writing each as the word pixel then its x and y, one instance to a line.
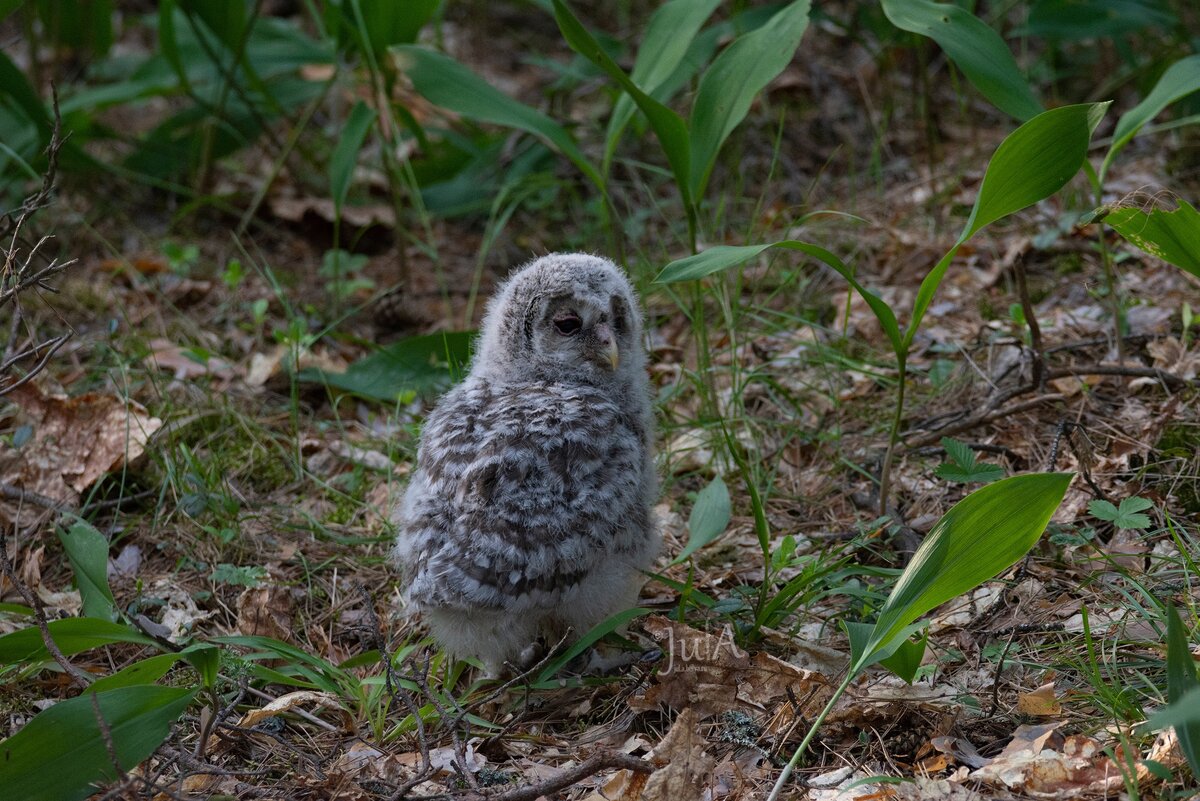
pixel 587 334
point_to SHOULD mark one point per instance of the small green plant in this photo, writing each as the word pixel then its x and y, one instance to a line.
pixel 981 535
pixel 238 575
pixel 1126 516
pixel 964 467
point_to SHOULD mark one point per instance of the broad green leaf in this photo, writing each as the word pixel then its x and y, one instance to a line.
pixel 723 257
pixel 445 82
pixel 1181 679
pixel 1182 711
pixel 1173 236
pixel 144 671
pixel 981 535
pixel 1032 163
pixel 424 365
pixel 72 635
pixel 906 660
pixel 735 78
pixel 15 609
pixel 977 50
pixel 1180 80
pixel 669 35
pixel 61 753
pixel 87 550
pixel 345 154
pixel 709 518
pixel 859 635
pixel 206 659
pixel 389 22
pixel 668 127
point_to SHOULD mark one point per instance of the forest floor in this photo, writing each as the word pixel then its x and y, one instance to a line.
pixel 241 500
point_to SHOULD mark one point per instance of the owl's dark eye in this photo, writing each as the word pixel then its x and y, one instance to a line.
pixel 568 324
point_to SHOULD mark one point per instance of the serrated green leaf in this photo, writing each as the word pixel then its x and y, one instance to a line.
pixel 1126 516
pixel 709 518
pixel 979 473
pixel 1103 510
pixel 61 753
pixel 977 50
pixel 87 550
pixel 981 535
pixel 959 452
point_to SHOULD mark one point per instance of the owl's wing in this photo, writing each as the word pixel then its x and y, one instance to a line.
pixel 519 496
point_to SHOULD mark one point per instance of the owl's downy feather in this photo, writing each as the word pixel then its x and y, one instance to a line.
pixel 530 509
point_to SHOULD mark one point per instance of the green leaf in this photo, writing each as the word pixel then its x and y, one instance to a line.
pixel 1126 516
pixel 709 518
pixel 445 82
pixel 964 468
pixel 1181 679
pixel 669 35
pixel 589 638
pixel 735 78
pixel 144 671
pixel 206 659
pixel 668 127
pixel 1173 236
pixel 61 753
pixel 981 535
pixel 906 660
pixel 345 154
pixel 424 365
pixel 72 635
pixel 1183 711
pixel 1032 163
pixel 977 50
pixel 1180 80
pixel 87 550
pixel 723 257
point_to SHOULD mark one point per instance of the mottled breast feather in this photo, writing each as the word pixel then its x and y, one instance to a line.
pixel 522 490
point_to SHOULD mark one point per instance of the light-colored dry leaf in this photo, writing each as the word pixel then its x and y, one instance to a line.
pixel 75 441
pixel 175 359
pixel 286 703
pixel 1039 703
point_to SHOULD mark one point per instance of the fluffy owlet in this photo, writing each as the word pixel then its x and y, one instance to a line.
pixel 530 508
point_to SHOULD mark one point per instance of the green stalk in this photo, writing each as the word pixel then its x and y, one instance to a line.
pixel 885 472
pixel 812 731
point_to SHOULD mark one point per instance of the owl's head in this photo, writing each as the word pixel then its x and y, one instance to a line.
pixel 563 317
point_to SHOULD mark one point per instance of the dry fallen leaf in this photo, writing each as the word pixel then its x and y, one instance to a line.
pixel 266 612
pixel 710 674
pixel 74 441
pixel 1039 703
pixel 286 703
pixel 684 768
pixel 183 363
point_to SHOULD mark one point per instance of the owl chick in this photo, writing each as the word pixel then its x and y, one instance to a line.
pixel 530 509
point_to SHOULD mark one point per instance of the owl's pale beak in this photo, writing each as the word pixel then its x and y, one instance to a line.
pixel 606 345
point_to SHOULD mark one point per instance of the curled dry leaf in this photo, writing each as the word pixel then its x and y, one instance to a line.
pixel 286 703
pixel 74 442
pixel 710 674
